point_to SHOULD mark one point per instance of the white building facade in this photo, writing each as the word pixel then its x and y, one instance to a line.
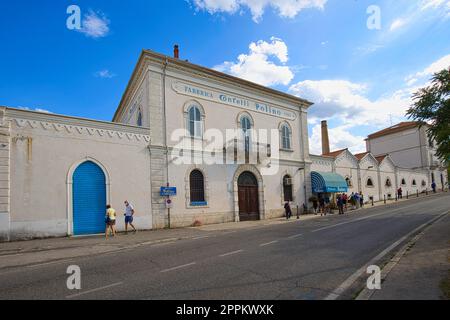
pixel 233 150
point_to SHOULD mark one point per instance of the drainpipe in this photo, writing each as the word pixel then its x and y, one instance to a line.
pixel 166 149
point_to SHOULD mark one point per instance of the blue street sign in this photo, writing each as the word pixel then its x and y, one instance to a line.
pixel 168 191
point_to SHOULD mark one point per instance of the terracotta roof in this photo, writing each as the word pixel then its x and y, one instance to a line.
pixel 359 156
pixel 381 158
pixel 334 154
pixel 397 128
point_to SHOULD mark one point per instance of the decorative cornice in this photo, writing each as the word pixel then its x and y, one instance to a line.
pixel 80 130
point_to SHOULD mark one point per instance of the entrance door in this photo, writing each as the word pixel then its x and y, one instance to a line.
pixel 248 197
pixel 89 199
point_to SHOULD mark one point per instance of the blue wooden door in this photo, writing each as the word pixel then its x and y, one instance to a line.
pixel 89 199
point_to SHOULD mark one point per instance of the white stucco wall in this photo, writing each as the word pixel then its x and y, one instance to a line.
pixel 45 150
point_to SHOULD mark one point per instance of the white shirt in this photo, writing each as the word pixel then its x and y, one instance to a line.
pixel 129 210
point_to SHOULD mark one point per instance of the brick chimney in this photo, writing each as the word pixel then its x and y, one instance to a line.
pixel 176 52
pixel 325 139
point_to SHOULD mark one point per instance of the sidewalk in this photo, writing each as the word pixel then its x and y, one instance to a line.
pixel 423 272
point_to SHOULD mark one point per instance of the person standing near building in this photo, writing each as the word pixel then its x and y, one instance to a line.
pixel 129 214
pixel 340 203
pixel 110 221
pixel 361 199
pixel 287 209
pixel 321 205
pixel 399 193
pixel 433 186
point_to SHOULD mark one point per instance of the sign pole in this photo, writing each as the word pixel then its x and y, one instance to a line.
pixel 168 208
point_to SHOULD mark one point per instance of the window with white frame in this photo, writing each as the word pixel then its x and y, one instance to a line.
pixel 194 122
pixel 285 137
pixel 246 126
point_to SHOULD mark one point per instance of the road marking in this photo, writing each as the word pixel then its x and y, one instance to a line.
pixel 350 280
pixel 362 218
pixel 268 243
pixel 202 237
pixel 231 253
pixel 178 267
pixel 48 263
pixel 11 255
pixel 295 236
pixel 94 290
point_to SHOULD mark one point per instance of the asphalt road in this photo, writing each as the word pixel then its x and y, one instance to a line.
pixel 302 260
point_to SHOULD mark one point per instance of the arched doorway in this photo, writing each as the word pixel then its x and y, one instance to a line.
pixel 89 199
pixel 248 197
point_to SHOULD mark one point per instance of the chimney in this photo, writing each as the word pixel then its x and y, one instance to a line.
pixel 325 139
pixel 176 52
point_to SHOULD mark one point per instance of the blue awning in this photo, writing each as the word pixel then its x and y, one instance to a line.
pixel 328 182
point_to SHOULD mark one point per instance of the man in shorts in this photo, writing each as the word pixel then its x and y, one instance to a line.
pixel 129 213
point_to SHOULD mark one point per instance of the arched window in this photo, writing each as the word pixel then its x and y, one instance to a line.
pixel 388 182
pixel 139 118
pixel 349 182
pixel 195 127
pixel 287 188
pixel 403 181
pixel 285 137
pixel 246 126
pixel 197 187
pixel 369 182
pixel 414 182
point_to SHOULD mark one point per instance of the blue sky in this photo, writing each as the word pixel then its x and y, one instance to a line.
pixel 361 79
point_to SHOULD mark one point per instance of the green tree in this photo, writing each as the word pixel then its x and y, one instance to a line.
pixel 432 106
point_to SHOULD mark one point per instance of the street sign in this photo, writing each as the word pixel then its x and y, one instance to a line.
pixel 168 191
pixel 169 203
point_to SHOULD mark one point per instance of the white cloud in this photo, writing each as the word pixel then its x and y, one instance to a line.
pixel 425 75
pixel 284 8
pixel 257 67
pixel 35 109
pixel 340 138
pixel 347 102
pixel 105 74
pixel 95 25
pixel 434 4
pixel 397 24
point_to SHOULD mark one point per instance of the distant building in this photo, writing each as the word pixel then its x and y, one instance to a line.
pixel 409 146
pixel 397 157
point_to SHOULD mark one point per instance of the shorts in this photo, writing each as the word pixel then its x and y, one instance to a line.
pixel 128 219
pixel 111 222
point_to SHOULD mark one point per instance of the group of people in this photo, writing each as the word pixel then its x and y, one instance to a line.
pixel 110 219
pixel 322 205
pixel 356 199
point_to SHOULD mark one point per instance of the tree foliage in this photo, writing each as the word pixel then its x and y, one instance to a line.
pixel 432 106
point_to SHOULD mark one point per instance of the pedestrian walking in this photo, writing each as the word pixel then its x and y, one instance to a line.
pixel 129 214
pixel 327 205
pixel 321 205
pixel 315 205
pixel 433 186
pixel 110 221
pixel 400 193
pixel 345 200
pixel 287 209
pixel 361 199
pixel 340 204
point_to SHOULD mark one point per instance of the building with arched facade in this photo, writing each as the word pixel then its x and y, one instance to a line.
pixel 234 151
